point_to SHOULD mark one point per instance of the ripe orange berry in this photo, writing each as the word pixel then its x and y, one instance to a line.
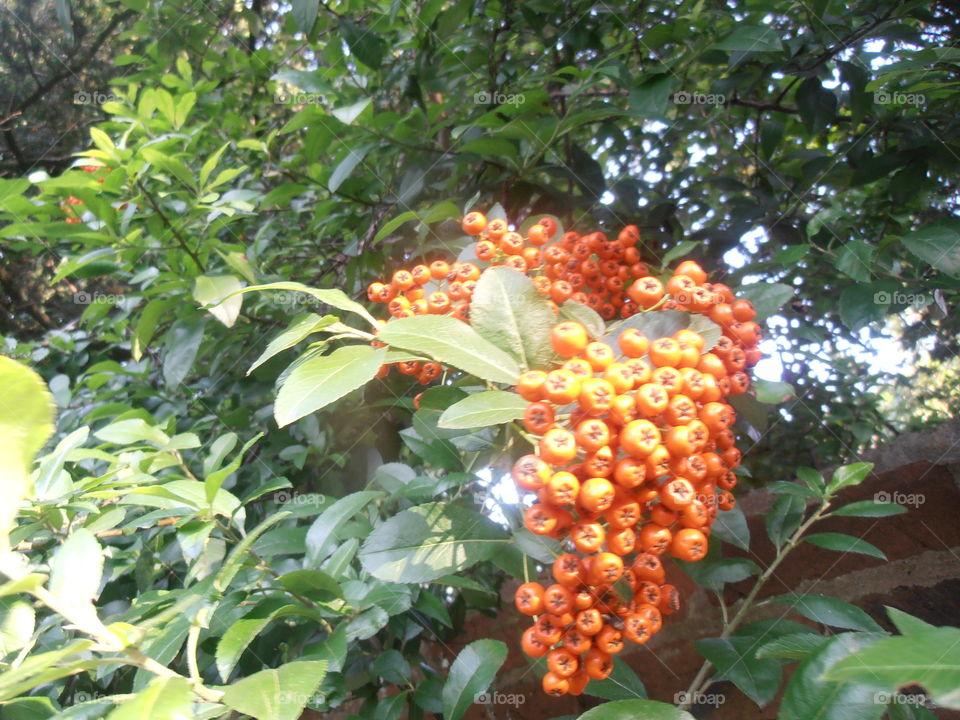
pixel 568 338
pixel 529 598
pixel 473 223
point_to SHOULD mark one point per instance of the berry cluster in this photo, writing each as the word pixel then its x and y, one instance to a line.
pixel 634 449
pixel 635 456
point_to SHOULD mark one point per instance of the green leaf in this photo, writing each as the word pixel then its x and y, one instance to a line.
pixel 830 611
pixel 782 487
pixel 240 634
pixel 869 508
pixel 17 620
pixel 452 342
pixel 767 298
pixel 28 708
pixel 318 381
pixel 132 431
pixel 636 710
pixel 938 245
pixel 76 569
pixel 471 674
pixel 731 527
pixel 347 115
pixel 368 47
pixel 304 14
pixel 26 423
pixel 209 289
pixel 854 259
pixel 392 667
pixel 784 517
pixel 147 325
pixel 215 479
pixel 930 658
pixel 622 684
pixel 165 698
pixel 349 163
pixel 507 310
pixel 483 409
pixel 180 350
pixel 428 541
pixel 393 224
pixel 817 105
pixel 73 265
pixel 849 475
pixel 751 38
pixel 809 697
pixel 279 694
pixel 812 479
pixel 586 316
pixel 168 163
pixel 793 646
pixel 240 553
pixel 772 392
pixel 715 573
pixel 299 329
pixel 861 305
pixel 325 527
pixel 735 661
pixel 907 624
pixel 330 296
pixel 844 543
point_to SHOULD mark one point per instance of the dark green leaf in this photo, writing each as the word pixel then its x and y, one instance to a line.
pixel 470 675
pixel 279 694
pixel 845 544
pixel 938 245
pixel 784 518
pixel 734 660
pixel 830 611
pixel 869 508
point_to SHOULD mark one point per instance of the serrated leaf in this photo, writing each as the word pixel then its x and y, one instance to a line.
pixel 507 310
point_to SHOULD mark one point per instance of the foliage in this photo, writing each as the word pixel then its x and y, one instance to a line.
pixel 324 144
